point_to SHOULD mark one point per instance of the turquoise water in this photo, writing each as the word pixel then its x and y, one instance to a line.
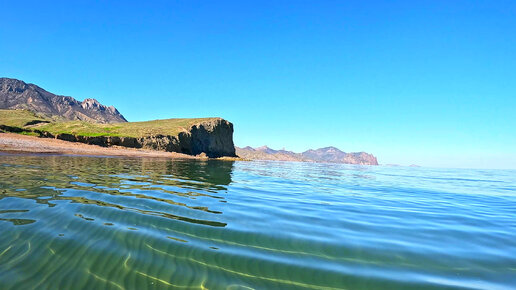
pixel 113 223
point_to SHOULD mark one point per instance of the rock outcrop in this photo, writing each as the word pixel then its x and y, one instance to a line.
pixel 16 94
pixel 327 154
pixel 215 138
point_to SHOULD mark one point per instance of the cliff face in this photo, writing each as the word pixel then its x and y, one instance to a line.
pixel 214 138
pixel 16 94
pixel 327 154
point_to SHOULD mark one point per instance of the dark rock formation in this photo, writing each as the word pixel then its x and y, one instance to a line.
pixel 215 138
pixel 327 154
pixel 16 94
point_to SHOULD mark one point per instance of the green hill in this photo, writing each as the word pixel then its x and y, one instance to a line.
pixel 30 121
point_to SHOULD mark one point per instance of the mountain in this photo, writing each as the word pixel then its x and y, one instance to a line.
pixel 332 154
pixel 326 154
pixel 266 153
pixel 266 149
pixel 16 94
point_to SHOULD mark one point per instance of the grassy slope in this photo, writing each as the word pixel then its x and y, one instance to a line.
pixel 18 118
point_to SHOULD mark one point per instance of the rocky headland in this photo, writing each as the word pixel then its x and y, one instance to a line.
pixel 212 137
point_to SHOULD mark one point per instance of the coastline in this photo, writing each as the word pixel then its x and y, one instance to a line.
pixel 17 143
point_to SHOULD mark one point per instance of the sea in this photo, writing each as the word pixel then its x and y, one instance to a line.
pixel 76 222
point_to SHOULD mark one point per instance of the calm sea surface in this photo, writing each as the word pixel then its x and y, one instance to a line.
pixel 113 223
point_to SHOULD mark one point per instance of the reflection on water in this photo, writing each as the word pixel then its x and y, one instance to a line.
pixel 94 223
pixel 54 178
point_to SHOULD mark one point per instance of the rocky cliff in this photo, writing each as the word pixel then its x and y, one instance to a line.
pixel 327 154
pixel 213 138
pixel 16 94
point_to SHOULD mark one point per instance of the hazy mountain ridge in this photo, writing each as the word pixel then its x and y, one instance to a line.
pixel 266 153
pixel 327 154
pixel 16 94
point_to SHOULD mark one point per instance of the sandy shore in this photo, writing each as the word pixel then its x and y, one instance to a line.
pixel 16 143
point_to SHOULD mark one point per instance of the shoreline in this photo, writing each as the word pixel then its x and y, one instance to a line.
pixel 13 143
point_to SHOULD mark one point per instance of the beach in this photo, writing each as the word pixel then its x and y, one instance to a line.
pixel 17 143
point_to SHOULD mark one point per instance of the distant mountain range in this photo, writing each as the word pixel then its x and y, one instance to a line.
pixel 16 94
pixel 326 154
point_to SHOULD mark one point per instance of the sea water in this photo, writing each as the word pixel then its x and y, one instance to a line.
pixel 73 222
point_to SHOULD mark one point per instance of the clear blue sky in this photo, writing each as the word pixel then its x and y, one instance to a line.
pixel 425 82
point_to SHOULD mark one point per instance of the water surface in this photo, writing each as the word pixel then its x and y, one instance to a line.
pixel 116 223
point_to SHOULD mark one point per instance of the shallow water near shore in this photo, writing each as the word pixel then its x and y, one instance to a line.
pixel 146 223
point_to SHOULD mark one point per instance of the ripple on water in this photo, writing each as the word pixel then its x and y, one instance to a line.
pixel 84 222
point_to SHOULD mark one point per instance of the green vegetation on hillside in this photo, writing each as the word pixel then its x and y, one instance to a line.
pixel 25 119
pixel 20 118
